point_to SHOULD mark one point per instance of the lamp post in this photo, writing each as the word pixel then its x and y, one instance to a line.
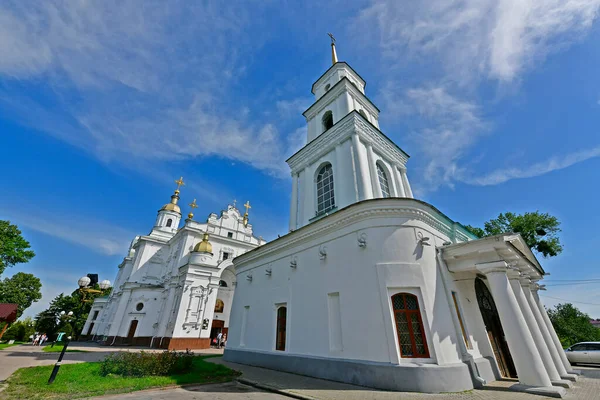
pixel 64 349
pixel 84 289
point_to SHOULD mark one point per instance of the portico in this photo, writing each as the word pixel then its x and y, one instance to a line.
pixel 506 267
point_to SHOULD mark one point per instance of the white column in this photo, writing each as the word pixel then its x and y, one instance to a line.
pixel 405 183
pixel 555 339
pixel 362 170
pixel 544 329
pixel 536 334
pixel 294 204
pixel 372 170
pixel 398 178
pixel 529 365
pixel 120 314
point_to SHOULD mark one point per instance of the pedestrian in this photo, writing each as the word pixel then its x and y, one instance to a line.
pixel 43 339
pixel 219 337
pixel 223 340
pixel 36 339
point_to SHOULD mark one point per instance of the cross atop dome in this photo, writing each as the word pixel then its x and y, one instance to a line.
pixel 334 58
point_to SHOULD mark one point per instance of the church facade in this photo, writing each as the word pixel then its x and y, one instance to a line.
pixel 376 288
pixel 174 289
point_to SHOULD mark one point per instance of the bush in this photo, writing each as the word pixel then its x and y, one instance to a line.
pixel 145 364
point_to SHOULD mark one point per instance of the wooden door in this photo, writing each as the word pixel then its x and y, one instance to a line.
pixel 494 330
pixel 132 329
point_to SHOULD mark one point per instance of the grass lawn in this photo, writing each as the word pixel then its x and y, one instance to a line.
pixel 84 380
pixel 58 348
pixel 5 345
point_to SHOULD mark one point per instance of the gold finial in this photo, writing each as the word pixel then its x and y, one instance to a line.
pixel 334 58
pixel 192 205
pixel 179 183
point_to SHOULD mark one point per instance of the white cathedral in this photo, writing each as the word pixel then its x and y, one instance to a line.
pixel 375 288
pixel 174 289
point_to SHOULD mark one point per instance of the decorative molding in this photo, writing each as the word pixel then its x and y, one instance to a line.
pixel 380 209
pixel 249 277
pixel 294 262
pixel 269 271
pixel 322 252
pixel 362 240
pixel 339 133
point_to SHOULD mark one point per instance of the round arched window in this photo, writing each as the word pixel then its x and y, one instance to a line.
pixel 139 306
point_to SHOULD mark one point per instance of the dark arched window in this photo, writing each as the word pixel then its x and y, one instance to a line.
pixel 280 333
pixel 327 120
pixel 409 326
pixel 327 87
pixel 383 181
pixel 325 195
pixel 169 222
pixel 222 283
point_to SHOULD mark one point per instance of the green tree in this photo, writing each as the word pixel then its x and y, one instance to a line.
pixel 20 330
pixel 14 249
pixel 22 289
pixel 572 326
pixel 539 230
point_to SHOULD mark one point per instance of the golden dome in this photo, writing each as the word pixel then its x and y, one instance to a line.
pixel 204 246
pixel 172 206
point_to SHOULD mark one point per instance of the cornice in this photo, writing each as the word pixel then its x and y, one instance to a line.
pixel 343 85
pixel 336 66
pixel 352 123
pixel 367 209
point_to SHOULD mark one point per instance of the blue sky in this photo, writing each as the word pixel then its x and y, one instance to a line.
pixel 104 104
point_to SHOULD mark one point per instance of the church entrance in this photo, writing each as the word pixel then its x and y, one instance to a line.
pixel 90 329
pixel 131 332
pixel 493 327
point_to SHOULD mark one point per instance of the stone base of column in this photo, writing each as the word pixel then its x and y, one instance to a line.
pixel 570 377
pixel 562 383
pixel 548 391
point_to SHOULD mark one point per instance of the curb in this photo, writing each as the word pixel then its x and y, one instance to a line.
pixel 275 389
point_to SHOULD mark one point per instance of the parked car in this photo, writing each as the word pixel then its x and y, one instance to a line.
pixel 584 353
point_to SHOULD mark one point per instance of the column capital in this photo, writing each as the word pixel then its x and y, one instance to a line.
pixel 490 267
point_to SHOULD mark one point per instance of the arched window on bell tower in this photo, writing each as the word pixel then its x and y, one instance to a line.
pixel 383 181
pixel 327 120
pixel 325 194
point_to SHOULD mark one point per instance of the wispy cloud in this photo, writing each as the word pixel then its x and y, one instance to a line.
pixel 490 38
pixel 97 236
pixel 552 164
pixel 149 82
pixel 450 127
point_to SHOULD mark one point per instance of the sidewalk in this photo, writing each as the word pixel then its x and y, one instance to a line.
pixel 303 387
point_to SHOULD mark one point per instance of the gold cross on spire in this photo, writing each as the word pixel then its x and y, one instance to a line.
pixel 334 58
pixel 193 205
pixel 247 205
pixel 179 183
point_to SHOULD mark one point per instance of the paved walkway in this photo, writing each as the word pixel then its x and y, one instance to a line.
pixel 586 388
pixel 223 391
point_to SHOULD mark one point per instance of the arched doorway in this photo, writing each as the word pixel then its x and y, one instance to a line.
pixel 493 327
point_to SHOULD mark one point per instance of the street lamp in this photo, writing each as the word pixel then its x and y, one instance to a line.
pixel 84 288
pixel 65 315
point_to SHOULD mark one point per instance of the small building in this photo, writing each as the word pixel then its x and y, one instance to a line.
pixel 174 289
pixel 376 288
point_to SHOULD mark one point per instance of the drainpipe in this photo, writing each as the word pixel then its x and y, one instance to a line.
pixel 466 357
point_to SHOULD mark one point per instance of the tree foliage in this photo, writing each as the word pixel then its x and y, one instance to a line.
pixel 14 249
pixel 22 289
pixel 572 326
pixel 51 321
pixel 539 230
pixel 20 330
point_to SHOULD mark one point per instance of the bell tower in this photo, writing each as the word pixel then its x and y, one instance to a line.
pixel 347 158
pixel 169 216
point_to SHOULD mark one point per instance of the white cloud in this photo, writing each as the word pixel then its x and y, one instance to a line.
pixel 451 127
pixel 553 164
pixel 94 235
pixel 496 39
pixel 150 82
